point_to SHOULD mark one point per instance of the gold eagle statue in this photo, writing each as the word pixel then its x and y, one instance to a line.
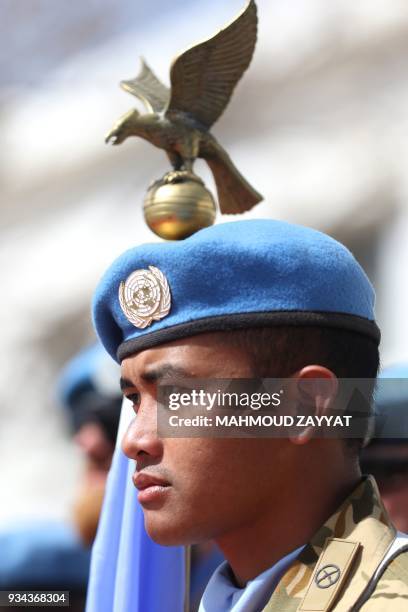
pixel 179 119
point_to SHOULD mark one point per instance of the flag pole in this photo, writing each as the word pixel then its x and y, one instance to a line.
pixel 187 575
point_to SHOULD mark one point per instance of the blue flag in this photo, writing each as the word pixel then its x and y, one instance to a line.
pixel 129 572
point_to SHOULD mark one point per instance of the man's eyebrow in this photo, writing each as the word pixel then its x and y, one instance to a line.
pixel 165 370
pixel 155 374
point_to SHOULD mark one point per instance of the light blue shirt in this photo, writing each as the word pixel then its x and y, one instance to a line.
pixel 222 595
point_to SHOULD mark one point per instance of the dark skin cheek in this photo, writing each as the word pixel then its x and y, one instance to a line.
pixel 227 469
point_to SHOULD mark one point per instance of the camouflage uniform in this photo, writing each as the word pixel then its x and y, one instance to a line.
pixel 336 571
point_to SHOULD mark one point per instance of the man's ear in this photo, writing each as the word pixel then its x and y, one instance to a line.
pixel 316 388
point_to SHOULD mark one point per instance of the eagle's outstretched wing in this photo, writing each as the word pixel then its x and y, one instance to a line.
pixel 149 89
pixel 204 77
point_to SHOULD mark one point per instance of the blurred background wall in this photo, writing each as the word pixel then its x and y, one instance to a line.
pixel 318 125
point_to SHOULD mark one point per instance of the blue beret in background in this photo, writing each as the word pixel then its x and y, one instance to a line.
pixel 88 388
pixel 233 275
pixel 89 370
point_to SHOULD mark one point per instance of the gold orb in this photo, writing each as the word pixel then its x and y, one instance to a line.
pixel 178 205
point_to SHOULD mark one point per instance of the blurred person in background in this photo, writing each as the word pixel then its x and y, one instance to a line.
pixel 53 555
pixel 386 457
pixel 89 390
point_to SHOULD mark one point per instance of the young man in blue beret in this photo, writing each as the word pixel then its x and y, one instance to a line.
pixel 299 526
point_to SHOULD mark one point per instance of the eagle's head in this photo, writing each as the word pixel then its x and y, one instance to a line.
pixel 125 126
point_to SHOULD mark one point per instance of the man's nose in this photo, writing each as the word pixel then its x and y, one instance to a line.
pixel 141 440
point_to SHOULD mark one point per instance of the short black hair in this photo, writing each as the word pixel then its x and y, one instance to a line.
pixel 279 352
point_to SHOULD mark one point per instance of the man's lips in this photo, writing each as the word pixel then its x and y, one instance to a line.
pixel 152 489
pixel 144 481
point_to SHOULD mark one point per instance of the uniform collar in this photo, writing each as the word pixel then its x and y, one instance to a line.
pixel 354 540
pixel 222 594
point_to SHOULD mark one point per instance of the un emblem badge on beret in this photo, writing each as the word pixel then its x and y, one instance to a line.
pixel 145 297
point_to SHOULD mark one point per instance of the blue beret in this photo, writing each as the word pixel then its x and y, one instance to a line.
pixel 76 375
pixel 251 273
pixel 90 370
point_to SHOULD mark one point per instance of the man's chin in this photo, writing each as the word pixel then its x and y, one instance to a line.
pixel 167 532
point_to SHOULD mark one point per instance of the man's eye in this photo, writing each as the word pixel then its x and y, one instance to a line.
pixel 134 398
